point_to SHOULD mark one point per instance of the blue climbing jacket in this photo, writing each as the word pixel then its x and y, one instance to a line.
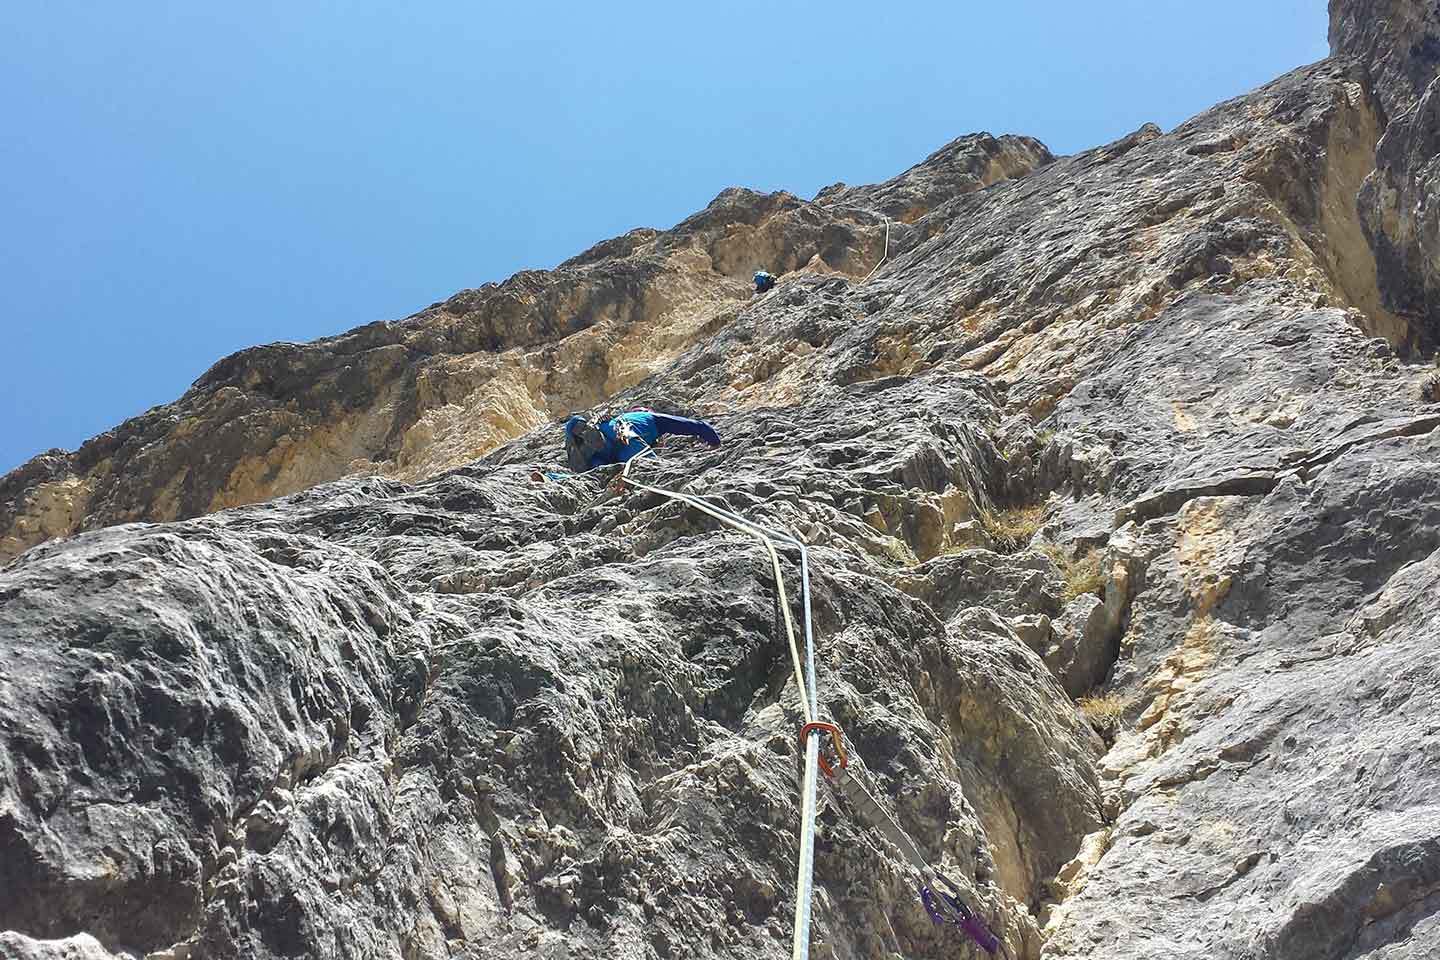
pixel 649 427
pixel 763 281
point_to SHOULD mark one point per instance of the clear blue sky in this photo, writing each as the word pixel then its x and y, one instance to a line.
pixel 179 180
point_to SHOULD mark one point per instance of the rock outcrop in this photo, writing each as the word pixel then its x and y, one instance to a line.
pixel 1399 41
pixel 413 398
pixel 1121 480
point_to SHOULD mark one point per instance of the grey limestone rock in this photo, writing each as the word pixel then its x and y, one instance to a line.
pixel 1398 41
pixel 376 691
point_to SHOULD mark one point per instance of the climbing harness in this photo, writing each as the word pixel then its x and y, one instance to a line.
pixel 825 753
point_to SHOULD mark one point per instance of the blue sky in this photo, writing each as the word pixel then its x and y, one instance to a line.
pixel 180 180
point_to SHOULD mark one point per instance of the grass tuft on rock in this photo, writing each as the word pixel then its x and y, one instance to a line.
pixel 1105 713
pixel 1012 527
pixel 1082 574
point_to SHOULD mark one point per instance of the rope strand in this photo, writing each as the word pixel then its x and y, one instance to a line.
pixel 809 699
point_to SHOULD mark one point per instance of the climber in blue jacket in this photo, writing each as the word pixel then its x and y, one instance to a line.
pixel 589 445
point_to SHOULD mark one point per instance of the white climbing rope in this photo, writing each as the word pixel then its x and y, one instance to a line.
pixel 809 700
pixel 766 537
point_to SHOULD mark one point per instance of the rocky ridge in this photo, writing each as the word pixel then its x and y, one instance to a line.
pixel 1123 490
pixel 411 398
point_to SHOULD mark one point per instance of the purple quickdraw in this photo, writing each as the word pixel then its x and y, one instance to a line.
pixel 938 904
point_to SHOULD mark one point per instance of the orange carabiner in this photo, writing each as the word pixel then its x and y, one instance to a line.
pixel 837 745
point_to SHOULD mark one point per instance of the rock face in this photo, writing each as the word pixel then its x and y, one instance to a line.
pixel 1123 501
pixel 413 398
pixel 488 714
pixel 1399 40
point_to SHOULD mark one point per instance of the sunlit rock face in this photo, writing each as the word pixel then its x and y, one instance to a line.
pixel 434 391
pixel 1120 475
pixel 1398 41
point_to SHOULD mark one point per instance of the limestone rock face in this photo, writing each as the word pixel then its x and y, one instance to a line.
pixel 418 396
pixel 1121 484
pixel 1399 42
pixel 1399 210
pixel 488 714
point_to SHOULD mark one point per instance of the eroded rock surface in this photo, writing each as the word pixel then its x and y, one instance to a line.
pixel 412 398
pixel 515 716
pixel 1123 498
pixel 1398 41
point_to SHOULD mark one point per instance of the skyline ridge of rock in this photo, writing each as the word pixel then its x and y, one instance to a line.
pixel 429 392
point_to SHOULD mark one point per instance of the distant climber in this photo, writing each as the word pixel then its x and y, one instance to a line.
pixel 589 445
pixel 763 282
